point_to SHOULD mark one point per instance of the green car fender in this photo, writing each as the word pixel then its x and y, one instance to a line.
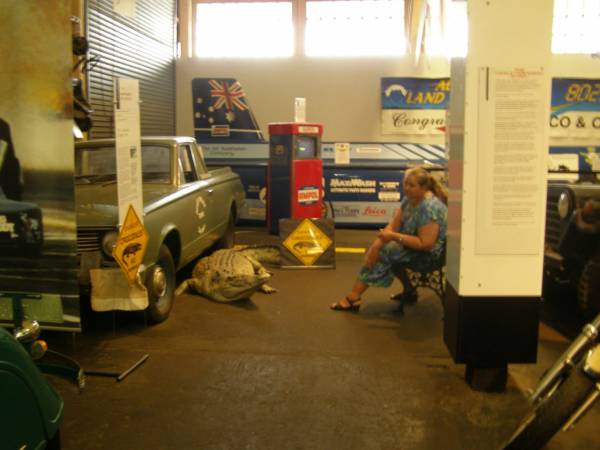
pixel 31 410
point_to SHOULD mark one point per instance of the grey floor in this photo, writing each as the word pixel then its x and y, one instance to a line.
pixel 285 372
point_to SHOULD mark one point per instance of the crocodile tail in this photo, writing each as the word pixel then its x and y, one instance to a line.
pixel 183 287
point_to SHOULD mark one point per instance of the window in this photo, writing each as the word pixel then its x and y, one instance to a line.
pixel 187 169
pixel 446 28
pixel 243 29
pixel 355 28
pixel 98 164
pixel 576 26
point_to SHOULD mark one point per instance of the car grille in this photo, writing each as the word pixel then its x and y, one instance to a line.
pixel 554 225
pixel 89 239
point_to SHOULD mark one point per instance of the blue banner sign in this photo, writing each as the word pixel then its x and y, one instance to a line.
pixel 576 109
pixel 414 106
pixel 415 93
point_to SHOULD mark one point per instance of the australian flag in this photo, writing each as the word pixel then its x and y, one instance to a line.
pixel 222 113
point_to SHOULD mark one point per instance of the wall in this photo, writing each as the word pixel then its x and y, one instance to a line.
pixel 343 94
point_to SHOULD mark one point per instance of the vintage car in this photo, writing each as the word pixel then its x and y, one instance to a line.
pixel 31 410
pixel 21 229
pixel 572 250
pixel 187 209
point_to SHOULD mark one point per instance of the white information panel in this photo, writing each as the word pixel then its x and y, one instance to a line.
pixel 511 160
pixel 128 147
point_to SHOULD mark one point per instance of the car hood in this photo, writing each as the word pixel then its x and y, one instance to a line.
pixel 96 205
pixel 14 207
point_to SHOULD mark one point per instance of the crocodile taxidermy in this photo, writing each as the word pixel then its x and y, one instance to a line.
pixel 229 275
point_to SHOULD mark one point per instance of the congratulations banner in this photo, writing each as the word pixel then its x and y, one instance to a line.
pixel 415 106
pixel 575 109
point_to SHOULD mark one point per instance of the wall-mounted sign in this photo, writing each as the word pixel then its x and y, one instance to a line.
pixel 511 124
pixel 575 109
pixel 414 106
pixel 222 113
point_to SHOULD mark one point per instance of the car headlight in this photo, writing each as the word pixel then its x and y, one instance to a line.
pixel 564 205
pixel 108 242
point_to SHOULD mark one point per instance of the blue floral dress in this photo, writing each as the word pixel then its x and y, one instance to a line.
pixel 431 209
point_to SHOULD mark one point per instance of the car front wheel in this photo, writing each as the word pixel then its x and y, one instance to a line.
pixel 160 282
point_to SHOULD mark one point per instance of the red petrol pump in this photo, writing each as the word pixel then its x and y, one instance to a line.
pixel 295 172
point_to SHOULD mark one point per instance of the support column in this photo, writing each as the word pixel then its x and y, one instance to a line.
pixel 498 145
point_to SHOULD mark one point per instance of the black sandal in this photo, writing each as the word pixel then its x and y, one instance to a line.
pixel 406 298
pixel 353 305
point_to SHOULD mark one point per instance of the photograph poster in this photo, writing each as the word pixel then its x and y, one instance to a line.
pixel 38 263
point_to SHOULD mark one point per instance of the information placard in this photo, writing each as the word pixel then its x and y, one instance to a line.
pixel 512 160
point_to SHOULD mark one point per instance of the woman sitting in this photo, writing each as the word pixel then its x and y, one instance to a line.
pixel 415 236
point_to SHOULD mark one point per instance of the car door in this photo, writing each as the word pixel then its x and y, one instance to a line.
pixel 195 220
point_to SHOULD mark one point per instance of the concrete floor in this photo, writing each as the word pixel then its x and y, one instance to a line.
pixel 285 372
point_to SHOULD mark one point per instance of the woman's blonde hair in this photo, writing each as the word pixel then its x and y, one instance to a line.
pixel 424 179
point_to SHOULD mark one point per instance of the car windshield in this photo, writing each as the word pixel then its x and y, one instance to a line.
pixel 98 164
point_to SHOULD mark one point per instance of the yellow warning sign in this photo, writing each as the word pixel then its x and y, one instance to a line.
pixel 307 242
pixel 131 245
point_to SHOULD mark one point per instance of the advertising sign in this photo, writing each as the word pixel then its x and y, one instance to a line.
pixel 222 113
pixel 38 264
pixel 414 106
pixel 576 109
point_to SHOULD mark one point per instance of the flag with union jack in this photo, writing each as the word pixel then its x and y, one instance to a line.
pixel 222 113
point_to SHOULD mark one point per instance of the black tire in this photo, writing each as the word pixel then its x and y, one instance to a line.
pixel 542 422
pixel 161 297
pixel 228 239
pixel 588 289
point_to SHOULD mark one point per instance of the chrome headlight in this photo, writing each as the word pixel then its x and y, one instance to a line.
pixel 564 205
pixel 108 242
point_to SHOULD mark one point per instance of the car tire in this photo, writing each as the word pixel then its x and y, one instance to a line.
pixel 228 239
pixel 588 288
pixel 542 422
pixel 160 282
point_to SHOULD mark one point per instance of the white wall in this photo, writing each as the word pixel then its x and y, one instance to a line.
pixel 575 66
pixel 342 94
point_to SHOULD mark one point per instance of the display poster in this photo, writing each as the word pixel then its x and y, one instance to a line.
pixel 512 158
pixel 222 113
pixel 414 106
pixel 575 110
pixel 342 153
pixel 38 264
pixel 128 147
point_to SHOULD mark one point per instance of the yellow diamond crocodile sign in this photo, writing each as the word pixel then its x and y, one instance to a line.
pixel 307 242
pixel 131 245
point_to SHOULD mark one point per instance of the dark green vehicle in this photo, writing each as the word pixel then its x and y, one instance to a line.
pixel 30 409
pixel 572 254
pixel 187 209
